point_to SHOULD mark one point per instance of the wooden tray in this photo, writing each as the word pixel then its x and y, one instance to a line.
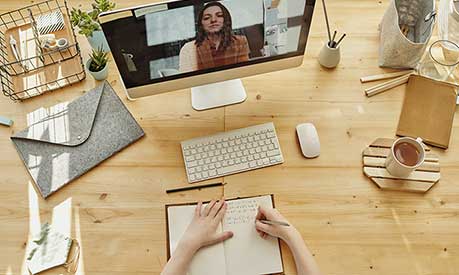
pixel 421 180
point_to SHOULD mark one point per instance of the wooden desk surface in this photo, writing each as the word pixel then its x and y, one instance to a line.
pixel 350 225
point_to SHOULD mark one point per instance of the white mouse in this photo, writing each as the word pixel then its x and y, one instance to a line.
pixel 309 140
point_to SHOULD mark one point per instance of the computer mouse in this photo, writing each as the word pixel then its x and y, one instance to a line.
pixel 309 140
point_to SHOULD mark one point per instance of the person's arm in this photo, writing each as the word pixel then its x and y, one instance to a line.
pixel 243 49
pixel 305 263
pixel 201 232
pixel 188 58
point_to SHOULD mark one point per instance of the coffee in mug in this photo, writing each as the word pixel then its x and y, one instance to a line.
pixel 406 154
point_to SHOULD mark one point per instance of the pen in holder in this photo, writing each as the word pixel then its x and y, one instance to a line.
pixel 329 57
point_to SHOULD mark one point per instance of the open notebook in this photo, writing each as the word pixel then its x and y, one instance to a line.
pixel 246 253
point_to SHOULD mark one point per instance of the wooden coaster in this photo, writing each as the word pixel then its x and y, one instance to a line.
pixel 421 180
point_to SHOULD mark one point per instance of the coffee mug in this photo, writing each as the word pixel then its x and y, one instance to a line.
pixel 406 154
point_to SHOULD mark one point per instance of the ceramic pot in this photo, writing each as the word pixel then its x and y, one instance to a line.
pixel 100 75
pixel 329 57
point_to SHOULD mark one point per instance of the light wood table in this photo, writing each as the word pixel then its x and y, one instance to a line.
pixel 350 225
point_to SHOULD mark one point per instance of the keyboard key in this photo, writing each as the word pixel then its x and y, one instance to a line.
pixel 273 153
pixel 192 164
pixel 205 174
pixel 233 168
pixel 265 161
pixel 192 170
pixel 198 176
pixel 192 177
pixel 213 173
pixel 259 162
pixel 190 158
pixel 253 164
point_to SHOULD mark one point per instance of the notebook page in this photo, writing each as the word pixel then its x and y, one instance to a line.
pixel 246 252
pixel 208 260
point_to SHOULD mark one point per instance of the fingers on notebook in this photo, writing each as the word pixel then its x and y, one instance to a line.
pixel 263 229
pixel 197 211
pixel 221 213
pixel 216 209
pixel 223 236
pixel 209 207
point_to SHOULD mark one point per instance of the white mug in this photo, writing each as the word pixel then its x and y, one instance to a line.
pixel 398 169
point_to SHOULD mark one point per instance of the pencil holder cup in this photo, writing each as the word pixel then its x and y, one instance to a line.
pixel 329 57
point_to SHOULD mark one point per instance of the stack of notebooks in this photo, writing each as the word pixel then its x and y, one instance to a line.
pixel 246 253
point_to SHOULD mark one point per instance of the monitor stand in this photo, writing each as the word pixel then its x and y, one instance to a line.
pixel 217 94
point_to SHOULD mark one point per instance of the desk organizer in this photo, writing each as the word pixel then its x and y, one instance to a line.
pixel 38 70
pixel 421 180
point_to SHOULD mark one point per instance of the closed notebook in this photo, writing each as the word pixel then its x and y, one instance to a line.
pixel 428 111
pixel 246 253
pixel 76 137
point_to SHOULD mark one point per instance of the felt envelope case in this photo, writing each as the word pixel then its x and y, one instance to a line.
pixel 75 138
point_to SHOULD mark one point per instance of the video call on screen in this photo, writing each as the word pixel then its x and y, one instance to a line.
pixel 192 36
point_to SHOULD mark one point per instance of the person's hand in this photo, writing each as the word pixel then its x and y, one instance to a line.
pixel 202 230
pixel 283 232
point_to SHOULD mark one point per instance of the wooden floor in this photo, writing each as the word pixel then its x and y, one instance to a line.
pixel 350 225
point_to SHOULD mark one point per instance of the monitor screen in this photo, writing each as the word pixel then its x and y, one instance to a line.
pixel 162 42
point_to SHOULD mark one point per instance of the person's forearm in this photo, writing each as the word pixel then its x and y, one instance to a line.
pixel 305 263
pixel 179 262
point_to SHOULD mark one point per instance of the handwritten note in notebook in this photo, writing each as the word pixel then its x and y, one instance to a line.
pixel 244 254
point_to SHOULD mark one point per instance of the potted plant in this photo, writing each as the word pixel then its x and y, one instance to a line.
pixel 89 25
pixel 97 64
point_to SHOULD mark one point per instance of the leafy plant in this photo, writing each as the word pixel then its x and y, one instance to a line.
pixel 88 22
pixel 99 60
pixel 43 237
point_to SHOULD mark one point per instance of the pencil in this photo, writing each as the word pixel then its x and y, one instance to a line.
pixel 326 20
pixel 274 222
pixel 332 42
pixel 193 187
pixel 339 41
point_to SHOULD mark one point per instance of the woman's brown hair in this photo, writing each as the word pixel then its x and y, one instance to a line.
pixel 226 32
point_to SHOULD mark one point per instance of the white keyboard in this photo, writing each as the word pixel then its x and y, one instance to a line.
pixel 231 152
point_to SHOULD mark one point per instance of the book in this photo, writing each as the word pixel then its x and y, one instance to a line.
pixel 428 111
pixel 245 253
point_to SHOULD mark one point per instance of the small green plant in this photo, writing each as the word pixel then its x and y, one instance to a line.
pixel 99 60
pixel 88 22
pixel 43 237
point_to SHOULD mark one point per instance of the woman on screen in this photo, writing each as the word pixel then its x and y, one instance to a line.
pixel 215 44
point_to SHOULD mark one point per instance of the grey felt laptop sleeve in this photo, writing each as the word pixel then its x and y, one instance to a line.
pixel 69 142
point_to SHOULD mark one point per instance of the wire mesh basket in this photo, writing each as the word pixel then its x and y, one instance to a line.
pixel 28 69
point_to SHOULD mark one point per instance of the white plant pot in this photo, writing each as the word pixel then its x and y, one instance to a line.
pixel 100 75
pixel 329 57
pixel 98 40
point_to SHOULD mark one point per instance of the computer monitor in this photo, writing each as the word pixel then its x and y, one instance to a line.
pixel 180 44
